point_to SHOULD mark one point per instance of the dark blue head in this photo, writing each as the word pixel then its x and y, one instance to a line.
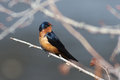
pixel 44 25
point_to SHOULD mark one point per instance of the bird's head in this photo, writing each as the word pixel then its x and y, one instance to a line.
pixel 44 26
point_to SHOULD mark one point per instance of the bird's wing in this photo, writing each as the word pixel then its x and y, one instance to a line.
pixel 54 40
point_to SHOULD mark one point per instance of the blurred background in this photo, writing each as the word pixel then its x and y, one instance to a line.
pixel 19 62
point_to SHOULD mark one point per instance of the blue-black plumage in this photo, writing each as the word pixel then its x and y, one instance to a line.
pixel 50 42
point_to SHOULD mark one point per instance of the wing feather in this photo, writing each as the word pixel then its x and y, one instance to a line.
pixel 54 40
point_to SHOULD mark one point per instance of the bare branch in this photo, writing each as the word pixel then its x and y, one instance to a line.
pixel 27 16
pixel 27 43
pixel 103 63
pixel 116 50
pixel 16 25
pixel 12 13
pixel 80 38
pixel 22 20
pixel 108 75
pixel 81 25
pixel 59 57
pixel 113 11
pixel 37 6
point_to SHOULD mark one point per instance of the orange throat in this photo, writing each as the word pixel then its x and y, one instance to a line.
pixel 45 31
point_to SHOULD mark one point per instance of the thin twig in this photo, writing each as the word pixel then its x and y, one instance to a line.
pixel 108 75
pixel 116 50
pixel 27 43
pixel 80 38
pixel 22 20
pixel 59 57
pixel 12 13
pixel 114 11
pixel 81 25
pixel 39 7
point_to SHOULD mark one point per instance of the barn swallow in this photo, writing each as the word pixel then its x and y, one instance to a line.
pixel 51 43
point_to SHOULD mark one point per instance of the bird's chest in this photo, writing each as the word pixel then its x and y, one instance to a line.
pixel 43 41
pixel 46 45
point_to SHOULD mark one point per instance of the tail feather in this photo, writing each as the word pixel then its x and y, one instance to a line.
pixel 65 54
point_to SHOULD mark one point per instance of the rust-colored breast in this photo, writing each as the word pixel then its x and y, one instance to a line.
pixel 46 45
pixel 44 41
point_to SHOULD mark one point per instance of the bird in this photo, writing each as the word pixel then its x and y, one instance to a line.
pixel 51 43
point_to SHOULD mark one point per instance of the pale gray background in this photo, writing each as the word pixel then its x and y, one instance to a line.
pixel 18 62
